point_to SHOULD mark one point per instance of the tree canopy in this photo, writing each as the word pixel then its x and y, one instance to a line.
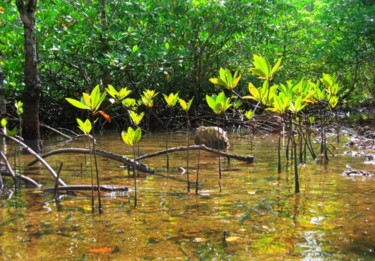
pixel 177 46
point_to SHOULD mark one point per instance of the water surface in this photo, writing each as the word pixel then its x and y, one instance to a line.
pixel 251 213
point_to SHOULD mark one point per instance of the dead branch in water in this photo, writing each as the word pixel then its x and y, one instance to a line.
pixel 26 179
pixel 248 158
pixel 106 154
pixel 36 155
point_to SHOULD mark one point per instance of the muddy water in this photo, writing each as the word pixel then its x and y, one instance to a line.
pixel 251 213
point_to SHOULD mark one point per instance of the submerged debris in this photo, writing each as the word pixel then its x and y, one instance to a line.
pixel 349 172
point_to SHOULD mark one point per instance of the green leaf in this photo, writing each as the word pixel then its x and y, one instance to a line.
pixel 136 118
pixel 249 114
pixel 4 122
pixel 261 68
pixel 130 103
pixel 186 106
pixel 77 104
pixel 131 137
pixel 135 48
pixel 211 101
pixel 276 67
pixel 85 127
pixel 171 99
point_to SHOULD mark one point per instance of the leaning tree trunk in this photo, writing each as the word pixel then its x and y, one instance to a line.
pixel 31 95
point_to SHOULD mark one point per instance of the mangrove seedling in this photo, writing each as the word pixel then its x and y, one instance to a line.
pixel 171 101
pixel 185 106
pixel 132 137
pixel 92 102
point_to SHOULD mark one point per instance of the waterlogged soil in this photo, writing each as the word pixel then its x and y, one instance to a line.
pixel 251 213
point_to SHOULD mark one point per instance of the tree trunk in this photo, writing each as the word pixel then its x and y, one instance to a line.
pixel 31 94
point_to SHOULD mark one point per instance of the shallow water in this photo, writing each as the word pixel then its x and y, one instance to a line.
pixel 251 213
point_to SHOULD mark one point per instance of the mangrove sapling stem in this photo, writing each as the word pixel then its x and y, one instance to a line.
pixel 31 151
pixel 97 173
pixel 296 178
pixel 135 181
pixel 279 154
pixel 197 177
pixel 187 160
pixel 57 182
pixel 91 176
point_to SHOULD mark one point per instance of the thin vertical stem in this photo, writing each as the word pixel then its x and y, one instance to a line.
pixel 278 154
pixel 197 177
pixel 135 180
pixel 97 172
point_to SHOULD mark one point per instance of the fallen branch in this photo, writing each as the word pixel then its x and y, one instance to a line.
pixel 108 188
pixel 25 179
pixel 106 154
pixel 39 158
pixel 248 158
pixel 56 131
pixel 8 167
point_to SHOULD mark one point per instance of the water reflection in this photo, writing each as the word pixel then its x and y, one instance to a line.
pixel 255 215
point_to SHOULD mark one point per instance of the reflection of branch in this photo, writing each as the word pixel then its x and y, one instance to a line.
pixel 88 187
pixel 247 158
pixel 102 153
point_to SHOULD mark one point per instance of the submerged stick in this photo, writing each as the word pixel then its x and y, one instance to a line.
pixel 248 158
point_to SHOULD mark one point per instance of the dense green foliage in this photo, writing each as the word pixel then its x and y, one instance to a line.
pixel 177 46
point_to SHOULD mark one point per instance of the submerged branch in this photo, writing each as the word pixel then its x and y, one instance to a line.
pixel 106 154
pixel 248 158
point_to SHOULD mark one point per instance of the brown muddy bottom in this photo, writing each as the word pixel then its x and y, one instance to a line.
pixel 251 213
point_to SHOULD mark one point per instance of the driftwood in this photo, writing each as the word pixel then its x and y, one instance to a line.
pixel 39 158
pixel 248 158
pixel 8 167
pixel 56 131
pixel 107 188
pixel 110 155
pixel 25 179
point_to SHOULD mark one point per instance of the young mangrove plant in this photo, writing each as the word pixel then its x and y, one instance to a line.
pixel 219 104
pixel 132 137
pixel 171 101
pixel 147 99
pixel 185 106
pixel 92 102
